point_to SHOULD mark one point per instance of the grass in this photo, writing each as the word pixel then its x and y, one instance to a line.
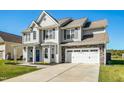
pixel 114 72
pixel 8 71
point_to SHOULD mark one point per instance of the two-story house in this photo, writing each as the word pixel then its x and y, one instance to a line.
pixel 65 40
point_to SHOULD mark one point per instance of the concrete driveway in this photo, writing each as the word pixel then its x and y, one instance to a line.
pixel 62 73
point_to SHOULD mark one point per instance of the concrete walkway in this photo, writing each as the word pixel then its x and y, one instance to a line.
pixel 62 73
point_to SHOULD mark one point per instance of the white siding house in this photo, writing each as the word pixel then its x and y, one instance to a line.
pixel 65 40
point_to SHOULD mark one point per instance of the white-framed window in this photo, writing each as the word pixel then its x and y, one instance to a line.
pixel 34 35
pixel 52 52
pixel 29 37
pixel 46 53
pixel 49 34
pixel 26 37
pixel 71 33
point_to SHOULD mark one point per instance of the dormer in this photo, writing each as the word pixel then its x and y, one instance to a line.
pixel 31 34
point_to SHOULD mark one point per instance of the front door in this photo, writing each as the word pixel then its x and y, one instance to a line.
pixel 37 55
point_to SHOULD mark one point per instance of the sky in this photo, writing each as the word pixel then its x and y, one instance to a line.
pixel 15 21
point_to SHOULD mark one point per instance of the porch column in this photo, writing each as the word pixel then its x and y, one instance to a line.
pixel 34 54
pixel 105 54
pixel 26 58
pixel 49 54
pixel 15 54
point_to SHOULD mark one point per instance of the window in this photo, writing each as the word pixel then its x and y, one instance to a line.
pixel 71 33
pixel 46 53
pixel 43 34
pixel 34 35
pixel 52 53
pixel 28 36
pixel 50 34
pixel 53 33
pixel 26 39
pixel 94 50
pixel 64 34
pixel 46 34
pixel 76 50
pixel 69 51
pixel 84 50
pixel 68 36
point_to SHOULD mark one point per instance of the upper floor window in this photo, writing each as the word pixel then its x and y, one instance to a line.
pixel 26 37
pixel 49 34
pixel 34 35
pixel 70 33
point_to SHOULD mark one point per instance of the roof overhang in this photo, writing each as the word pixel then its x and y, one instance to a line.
pixel 48 43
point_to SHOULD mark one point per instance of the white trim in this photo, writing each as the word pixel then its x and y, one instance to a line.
pixel 82 49
pixel 41 15
pixel 104 54
pixel 99 32
pixel 34 54
pixel 33 22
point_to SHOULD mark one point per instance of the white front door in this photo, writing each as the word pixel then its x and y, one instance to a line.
pixel 88 55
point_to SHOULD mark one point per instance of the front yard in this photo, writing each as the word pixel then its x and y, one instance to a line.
pixel 8 71
pixel 114 72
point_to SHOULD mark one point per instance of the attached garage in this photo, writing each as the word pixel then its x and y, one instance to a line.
pixel 82 55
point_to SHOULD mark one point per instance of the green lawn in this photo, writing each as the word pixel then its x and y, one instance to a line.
pixel 114 72
pixel 8 71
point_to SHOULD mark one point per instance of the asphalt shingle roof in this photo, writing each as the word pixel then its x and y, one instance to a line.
pixel 10 37
pixel 101 38
pixel 96 24
pixel 75 23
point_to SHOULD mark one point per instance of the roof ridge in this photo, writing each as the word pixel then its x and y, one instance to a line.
pixel 64 18
pixel 81 18
pixel 100 20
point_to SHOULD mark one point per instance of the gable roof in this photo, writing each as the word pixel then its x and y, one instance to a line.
pixel 41 15
pixel 76 23
pixel 96 24
pixel 66 23
pixel 7 37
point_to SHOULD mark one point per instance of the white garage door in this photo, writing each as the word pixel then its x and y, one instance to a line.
pixel 82 55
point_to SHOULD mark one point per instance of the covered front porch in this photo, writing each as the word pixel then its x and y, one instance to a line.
pixel 32 53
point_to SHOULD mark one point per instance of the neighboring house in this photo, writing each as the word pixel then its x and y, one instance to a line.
pixel 65 40
pixel 122 55
pixel 7 41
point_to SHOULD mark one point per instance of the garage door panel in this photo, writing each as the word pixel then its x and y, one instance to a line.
pixel 83 56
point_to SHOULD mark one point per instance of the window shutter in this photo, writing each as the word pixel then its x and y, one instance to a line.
pixel 43 34
pixel 64 34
